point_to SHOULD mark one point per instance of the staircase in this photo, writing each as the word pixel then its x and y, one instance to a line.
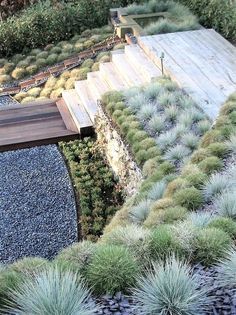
pixel 128 67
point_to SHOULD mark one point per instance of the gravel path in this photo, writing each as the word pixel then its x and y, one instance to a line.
pixel 37 207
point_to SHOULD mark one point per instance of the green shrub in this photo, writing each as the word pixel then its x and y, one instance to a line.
pixel 210 164
pixel 35 52
pixel 135 238
pixel 28 99
pixel 41 62
pixel 211 136
pixel 31 69
pixel 55 292
pixel 191 198
pixel 210 245
pixel 174 186
pixel 112 96
pixel 172 214
pixel 225 224
pixel 218 149
pixel 163 244
pixel 51 59
pixel 199 155
pixel 23 64
pixel 112 269
pixel 87 63
pixel 18 73
pixel 55 50
pixel 170 288
pixel 4 78
pixel 141 156
pixel 77 256
pixel 63 56
pixel 34 91
pixel 9 67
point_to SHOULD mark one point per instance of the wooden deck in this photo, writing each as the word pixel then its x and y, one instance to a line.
pixel 202 62
pixel 35 124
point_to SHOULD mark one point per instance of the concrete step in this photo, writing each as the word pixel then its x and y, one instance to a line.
pixel 97 86
pixel 141 62
pixel 111 76
pixel 86 97
pixel 122 64
pixel 78 112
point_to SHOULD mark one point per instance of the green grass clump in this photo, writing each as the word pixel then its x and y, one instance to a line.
pixel 218 149
pixel 210 164
pixel 227 269
pixel 31 69
pixel 172 214
pixel 77 256
pixel 225 203
pixel 9 67
pixel 41 62
pixel 34 92
pixel 163 243
pixel 170 288
pixel 227 225
pixel 112 269
pixel 135 238
pixel 190 197
pixel 54 291
pixel 51 59
pixel 210 245
pixel 28 99
pixel 29 266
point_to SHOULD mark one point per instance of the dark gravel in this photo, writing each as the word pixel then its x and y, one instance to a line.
pixel 7 101
pixel 117 304
pixel 37 206
pixel 223 299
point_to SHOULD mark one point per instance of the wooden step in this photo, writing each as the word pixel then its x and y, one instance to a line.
pixel 142 63
pixel 78 112
pixel 96 86
pixel 126 70
pixel 66 116
pixel 112 77
pixel 86 98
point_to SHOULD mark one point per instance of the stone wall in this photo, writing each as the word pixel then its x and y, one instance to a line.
pixel 117 154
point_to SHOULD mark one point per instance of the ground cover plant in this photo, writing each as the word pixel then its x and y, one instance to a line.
pixel 63 19
pixel 121 259
pixel 176 17
pixel 25 65
pixel 54 86
pixel 98 191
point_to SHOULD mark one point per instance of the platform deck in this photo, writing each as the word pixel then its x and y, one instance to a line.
pixel 202 62
pixel 35 124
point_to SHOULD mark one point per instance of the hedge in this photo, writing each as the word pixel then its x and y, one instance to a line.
pixel 218 14
pixel 44 23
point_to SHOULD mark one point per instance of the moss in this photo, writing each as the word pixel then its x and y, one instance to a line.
pixel 210 164
pixel 174 186
pixel 190 198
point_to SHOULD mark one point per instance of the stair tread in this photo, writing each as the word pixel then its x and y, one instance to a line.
pixel 139 58
pixel 77 110
pixel 111 76
pixel 97 86
pixel 86 98
pixel 127 71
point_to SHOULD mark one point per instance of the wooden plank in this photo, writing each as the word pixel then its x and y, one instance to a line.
pixel 112 77
pixel 66 116
pixel 87 98
pixel 24 84
pixel 21 130
pixel 96 86
pixel 70 61
pixel 41 75
pixel 27 118
pixel 78 112
pixel 128 73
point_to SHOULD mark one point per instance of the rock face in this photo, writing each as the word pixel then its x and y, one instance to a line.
pixel 117 154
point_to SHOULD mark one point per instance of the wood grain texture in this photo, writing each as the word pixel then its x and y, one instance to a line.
pixel 202 62
pixel 33 125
